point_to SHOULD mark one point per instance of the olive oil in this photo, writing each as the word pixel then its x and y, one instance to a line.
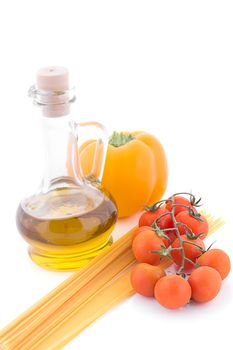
pixel 67 227
pixel 69 219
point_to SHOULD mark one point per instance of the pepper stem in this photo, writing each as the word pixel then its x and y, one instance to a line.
pixel 119 139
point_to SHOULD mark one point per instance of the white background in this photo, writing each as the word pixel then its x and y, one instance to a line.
pixel 161 66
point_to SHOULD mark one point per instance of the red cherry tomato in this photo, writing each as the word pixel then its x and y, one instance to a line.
pixel 144 277
pixel 181 204
pixel 149 217
pixel 197 223
pixel 205 283
pixel 172 291
pixel 140 229
pixel 217 259
pixel 144 244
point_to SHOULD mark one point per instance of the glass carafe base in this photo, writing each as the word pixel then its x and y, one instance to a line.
pixel 67 227
pixel 69 259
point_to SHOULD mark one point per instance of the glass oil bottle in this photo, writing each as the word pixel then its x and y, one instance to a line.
pixel 69 219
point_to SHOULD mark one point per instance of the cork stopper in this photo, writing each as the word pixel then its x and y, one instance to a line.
pixel 53 83
pixel 53 78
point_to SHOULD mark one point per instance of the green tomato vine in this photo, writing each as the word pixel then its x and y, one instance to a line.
pixel 188 232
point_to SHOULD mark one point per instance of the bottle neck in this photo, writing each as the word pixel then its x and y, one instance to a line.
pixel 59 138
pixel 59 142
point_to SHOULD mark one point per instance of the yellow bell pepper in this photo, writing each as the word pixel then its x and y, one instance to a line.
pixel 135 171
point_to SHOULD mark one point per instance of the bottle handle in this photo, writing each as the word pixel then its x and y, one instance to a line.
pixel 100 151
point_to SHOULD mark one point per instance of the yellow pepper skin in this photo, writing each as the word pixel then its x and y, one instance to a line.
pixel 135 171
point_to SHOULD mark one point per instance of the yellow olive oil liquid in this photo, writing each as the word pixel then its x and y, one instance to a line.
pixel 67 227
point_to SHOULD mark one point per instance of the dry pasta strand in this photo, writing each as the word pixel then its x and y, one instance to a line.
pixel 80 300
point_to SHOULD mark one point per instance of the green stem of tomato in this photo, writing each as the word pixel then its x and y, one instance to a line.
pixel 196 245
pixel 155 206
pixel 159 232
pixel 193 200
pixel 187 229
pixel 189 232
pixel 165 229
pixel 178 236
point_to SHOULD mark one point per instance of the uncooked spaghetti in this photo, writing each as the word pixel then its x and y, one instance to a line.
pixel 81 299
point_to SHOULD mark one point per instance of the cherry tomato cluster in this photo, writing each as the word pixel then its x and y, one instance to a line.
pixel 173 228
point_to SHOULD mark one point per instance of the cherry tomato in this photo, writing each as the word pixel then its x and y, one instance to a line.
pixel 166 221
pixel 217 259
pixel 172 291
pixel 205 283
pixel 144 278
pixel 182 201
pixel 140 229
pixel 193 223
pixel 191 251
pixel 144 244
pixel 148 217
